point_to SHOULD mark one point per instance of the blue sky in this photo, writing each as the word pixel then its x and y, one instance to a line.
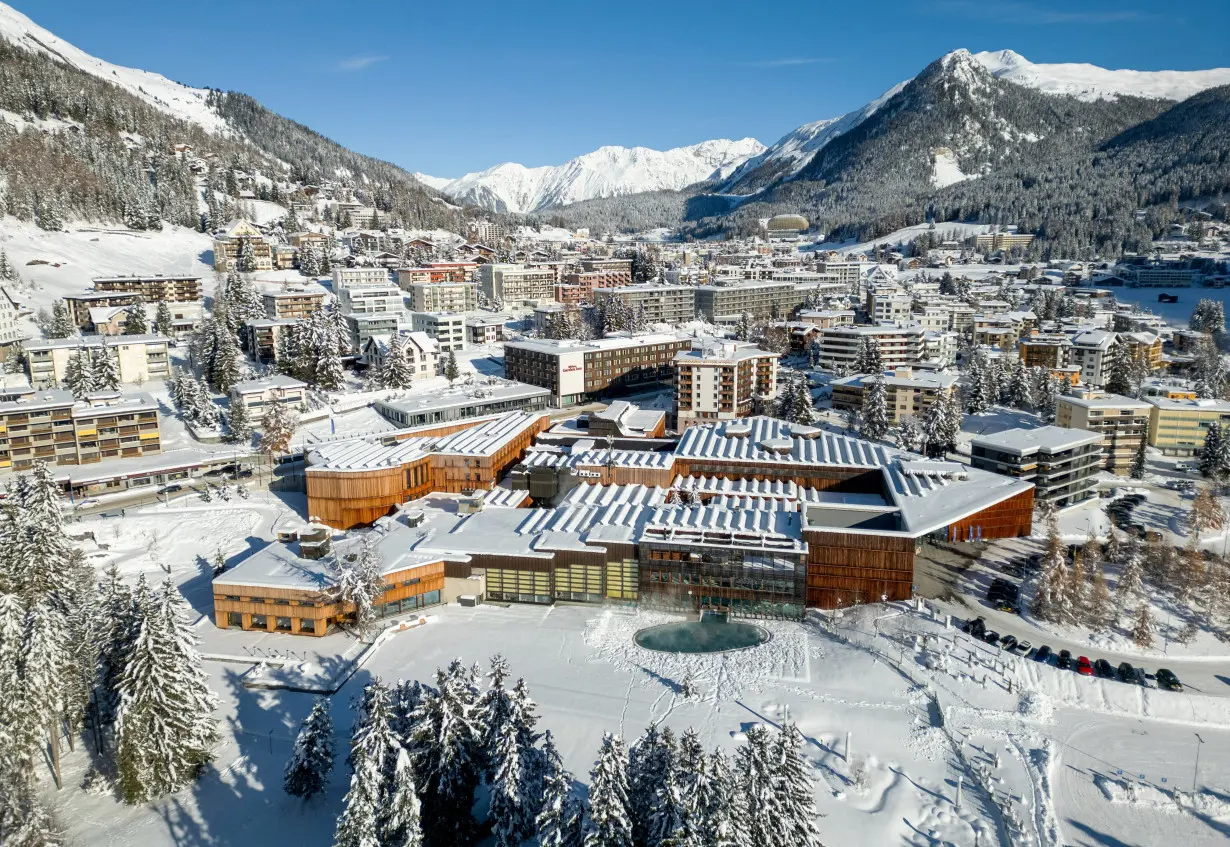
pixel 451 87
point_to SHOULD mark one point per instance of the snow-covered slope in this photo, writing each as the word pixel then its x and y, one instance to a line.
pixel 1089 82
pixel 178 100
pixel 606 172
pixel 436 182
pixel 795 149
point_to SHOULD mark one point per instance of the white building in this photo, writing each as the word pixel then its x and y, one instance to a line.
pixel 360 277
pixel 140 357
pixel 516 283
pixel 447 328
pixel 259 394
pixel 370 300
pixel 422 351
pixel 1091 352
pixel 720 381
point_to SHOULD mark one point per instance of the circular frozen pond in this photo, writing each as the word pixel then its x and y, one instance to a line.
pixel 708 635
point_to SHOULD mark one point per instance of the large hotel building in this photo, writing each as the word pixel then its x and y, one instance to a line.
pixel 578 370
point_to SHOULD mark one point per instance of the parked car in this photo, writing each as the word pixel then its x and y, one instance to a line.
pixel 1127 673
pixel 1142 678
pixel 87 503
pixel 1043 654
pixel 1084 667
pixel 1023 648
pixel 1167 680
pixel 976 627
pixel 1064 660
pixel 1008 642
pixel 1187 467
pixel 1102 668
pixel 990 636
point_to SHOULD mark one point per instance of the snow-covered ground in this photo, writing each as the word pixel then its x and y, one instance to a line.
pixel 908 234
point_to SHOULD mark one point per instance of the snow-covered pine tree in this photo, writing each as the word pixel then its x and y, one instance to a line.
pixel 941 425
pixel 358 580
pixel 359 824
pixel 1215 453
pixel 762 818
pixel 977 385
pixel 61 325
pixel 719 805
pixel 1128 587
pixel 649 762
pixel 796 789
pixel 875 410
pixel 397 370
pixel 402 823
pixel 1051 594
pixel 163 320
pixel 516 787
pixel 1209 371
pixel 560 819
pixel 238 423
pixel 224 368
pixel 909 434
pixel 164 725
pixel 1020 394
pixel 610 816
pixel 247 256
pixel 137 322
pixel 79 373
pixel 277 429
pixel 868 359
pixel 1206 511
pixel 106 366
pixel 447 745
pixel 1119 370
pixel 307 771
pixel 309 262
pixel 1142 628
pixel 24 821
pixel 1047 394
pixel 494 709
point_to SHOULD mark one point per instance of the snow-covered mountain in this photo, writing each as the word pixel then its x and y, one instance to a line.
pixel 606 172
pixel 1089 82
pixel 170 97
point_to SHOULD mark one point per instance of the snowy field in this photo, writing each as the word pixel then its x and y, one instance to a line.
pixel 922 706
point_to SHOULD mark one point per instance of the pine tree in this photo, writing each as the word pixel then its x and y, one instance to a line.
pixel 1047 395
pixel 868 359
pixel 1119 370
pixel 1137 470
pixel 137 322
pixel 277 429
pixel 310 762
pixel 516 786
pixel 24 821
pixel 1128 587
pixel 358 579
pixel 909 434
pixel 79 373
pixel 649 763
pixel 247 256
pixel 1209 371
pixel 560 820
pixel 163 320
pixel 359 824
pixel 239 425
pixel 941 425
pixel 977 385
pixel 1052 601
pixel 1142 629
pixel 1206 512
pixel 1101 612
pixel 106 367
pixel 761 814
pixel 451 372
pixel 796 789
pixel 1020 394
pixel 610 819
pixel 164 725
pixel 402 821
pixel 494 709
pixel 447 742
pixel 62 325
pixel 875 411
pixel 1215 453
pixel 397 370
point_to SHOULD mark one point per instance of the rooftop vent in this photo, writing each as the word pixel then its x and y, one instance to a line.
pixel 781 446
pixel 738 430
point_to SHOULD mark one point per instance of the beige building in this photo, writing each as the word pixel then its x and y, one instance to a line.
pixel 1122 421
pixel 720 381
pixel 294 301
pixel 140 357
pixel 671 304
pixel 53 427
pixel 516 283
pixel 229 243
pixel 1178 427
pixel 259 394
pixel 442 296
pixel 900 346
pixel 908 395
pixel 152 289
pixel 725 303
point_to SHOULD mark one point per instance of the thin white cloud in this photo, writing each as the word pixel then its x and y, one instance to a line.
pixel 358 63
pixel 786 63
pixel 1024 12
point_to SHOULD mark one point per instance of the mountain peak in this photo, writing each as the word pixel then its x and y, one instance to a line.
pixel 1090 82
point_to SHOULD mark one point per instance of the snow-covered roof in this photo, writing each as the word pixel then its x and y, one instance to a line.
pixel 1046 438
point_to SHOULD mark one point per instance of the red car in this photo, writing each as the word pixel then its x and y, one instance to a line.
pixel 1084 667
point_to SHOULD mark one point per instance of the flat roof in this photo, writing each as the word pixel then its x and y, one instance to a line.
pixel 1048 438
pixel 1103 401
pixel 453 398
pixel 76 341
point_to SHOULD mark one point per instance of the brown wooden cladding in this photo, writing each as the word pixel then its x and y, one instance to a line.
pixel 1011 518
pixel 848 568
pixel 652 477
pixel 819 477
pixel 346 499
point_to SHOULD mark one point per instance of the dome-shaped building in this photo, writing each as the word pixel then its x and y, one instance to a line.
pixel 786 226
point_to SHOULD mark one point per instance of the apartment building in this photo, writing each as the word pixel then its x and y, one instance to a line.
pixel 259 394
pixel 890 307
pixel 1091 352
pixel 720 381
pixel 367 325
pixel 10 330
pixel 53 427
pixel 294 301
pixel 236 237
pixel 909 394
pixel 447 328
pixel 434 272
pixel 442 296
pixel 994 242
pixel 422 352
pixel 579 370
pixel 140 357
pixel 1145 347
pixel 670 304
pixel 1061 463
pixel 80 305
pixel 900 346
pixel 360 277
pixel 1178 427
pixel 484 329
pixel 1122 421
pixel 152 289
pixel 260 337
pixel 826 318
pixel 510 284
pixel 1045 351
pixel 764 300
pixel 309 240
pixel 370 299
pixel 846 273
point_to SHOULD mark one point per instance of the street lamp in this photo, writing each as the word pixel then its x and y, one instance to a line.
pixel 1196 767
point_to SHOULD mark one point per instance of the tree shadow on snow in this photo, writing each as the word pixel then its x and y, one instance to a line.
pixel 1094 837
